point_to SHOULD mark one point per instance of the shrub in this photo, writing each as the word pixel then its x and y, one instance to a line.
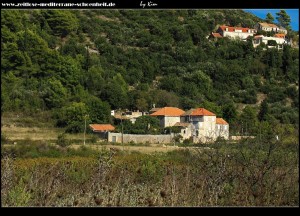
pixel 19 196
pixel 272 43
pixel 188 141
pixel 177 138
pixel 4 138
pixel 61 140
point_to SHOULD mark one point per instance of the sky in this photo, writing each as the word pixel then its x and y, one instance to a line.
pixel 293 13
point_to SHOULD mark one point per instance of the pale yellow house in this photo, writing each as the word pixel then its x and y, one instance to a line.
pixel 268 27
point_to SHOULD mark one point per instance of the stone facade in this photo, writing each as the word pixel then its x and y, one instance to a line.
pixel 140 138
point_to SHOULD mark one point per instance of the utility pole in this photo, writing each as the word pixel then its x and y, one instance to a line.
pixel 122 133
pixel 85 116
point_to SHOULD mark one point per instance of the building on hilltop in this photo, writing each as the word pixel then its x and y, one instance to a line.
pixel 278 38
pixel 270 27
pixel 233 32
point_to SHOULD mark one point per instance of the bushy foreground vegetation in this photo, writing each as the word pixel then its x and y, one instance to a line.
pixel 251 173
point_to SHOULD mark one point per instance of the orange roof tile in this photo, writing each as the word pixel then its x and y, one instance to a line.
pixel 232 29
pixel 221 121
pixel 199 112
pixel 216 35
pixel 102 127
pixel 279 35
pixel 168 111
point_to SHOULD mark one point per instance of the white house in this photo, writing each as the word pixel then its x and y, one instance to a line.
pixel 168 116
pixel 112 112
pixel 222 128
pixel 133 115
pixel 204 123
pixel 268 27
pixel 186 129
pixel 258 39
pixel 234 32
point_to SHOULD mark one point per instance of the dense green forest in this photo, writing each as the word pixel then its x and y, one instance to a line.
pixel 78 62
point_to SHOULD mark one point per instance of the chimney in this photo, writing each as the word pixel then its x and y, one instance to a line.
pixel 226 29
pixel 153 105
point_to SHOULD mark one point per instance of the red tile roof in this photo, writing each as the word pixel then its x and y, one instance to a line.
pixel 279 35
pixel 199 112
pixel 216 35
pixel 102 127
pixel 221 121
pixel 232 29
pixel 168 111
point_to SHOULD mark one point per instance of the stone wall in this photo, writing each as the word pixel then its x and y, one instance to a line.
pixel 140 138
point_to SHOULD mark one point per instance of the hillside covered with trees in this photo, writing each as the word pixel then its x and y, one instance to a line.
pixel 77 62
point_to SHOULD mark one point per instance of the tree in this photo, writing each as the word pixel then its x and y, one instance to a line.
pixel 229 112
pixel 263 111
pixel 283 19
pixel 272 43
pixel 72 117
pixel 212 107
pixel 269 18
pixel 146 125
pixel 287 59
pixel 141 104
pixel 248 120
pixel 115 95
pixel 55 93
pixel 62 22
pixel 99 111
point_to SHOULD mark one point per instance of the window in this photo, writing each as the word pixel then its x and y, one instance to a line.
pixel 197 133
pixel 184 132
